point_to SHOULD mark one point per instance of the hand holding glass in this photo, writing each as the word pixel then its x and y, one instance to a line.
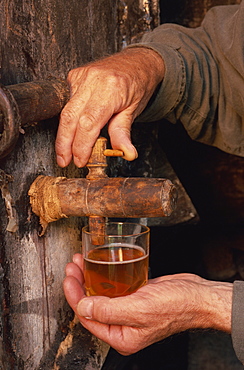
pixel 118 266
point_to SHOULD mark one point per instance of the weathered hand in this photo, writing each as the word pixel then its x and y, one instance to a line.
pixel 114 90
pixel 165 306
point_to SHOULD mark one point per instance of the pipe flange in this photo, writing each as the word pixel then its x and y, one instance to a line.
pixel 10 122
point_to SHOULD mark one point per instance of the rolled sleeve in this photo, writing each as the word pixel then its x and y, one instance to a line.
pixel 190 88
pixel 203 82
pixel 171 90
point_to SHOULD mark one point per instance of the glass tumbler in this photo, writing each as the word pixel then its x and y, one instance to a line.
pixel 118 265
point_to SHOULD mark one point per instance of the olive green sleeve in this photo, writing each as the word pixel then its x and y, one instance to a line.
pixel 203 86
pixel 237 330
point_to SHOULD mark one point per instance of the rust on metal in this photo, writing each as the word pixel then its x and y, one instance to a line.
pixel 98 196
pixel 9 121
pixel 40 100
pixel 117 197
pixel 97 165
pixel 26 103
pixel 105 197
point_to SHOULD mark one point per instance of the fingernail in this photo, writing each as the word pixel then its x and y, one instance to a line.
pixel 77 162
pixel 60 161
pixel 85 308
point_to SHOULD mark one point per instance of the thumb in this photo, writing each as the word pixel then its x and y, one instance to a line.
pixel 95 308
pixel 104 310
pixel 85 307
pixel 119 129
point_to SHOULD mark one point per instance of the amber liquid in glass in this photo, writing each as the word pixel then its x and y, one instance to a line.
pixel 115 270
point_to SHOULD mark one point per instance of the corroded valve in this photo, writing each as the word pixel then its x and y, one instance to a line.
pixel 99 196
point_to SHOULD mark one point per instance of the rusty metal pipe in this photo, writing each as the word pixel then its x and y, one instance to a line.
pixel 28 102
pixel 40 100
pixel 9 122
pixel 117 197
pixel 53 198
pixel 98 196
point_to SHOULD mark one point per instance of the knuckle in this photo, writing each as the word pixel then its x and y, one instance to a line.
pixel 108 76
pixel 70 75
pixel 91 120
pixel 93 71
pixel 117 80
pixel 104 312
pixel 87 123
pixel 66 116
pixel 74 73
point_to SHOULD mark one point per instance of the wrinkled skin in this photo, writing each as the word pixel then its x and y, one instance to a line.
pixel 114 90
pixel 165 306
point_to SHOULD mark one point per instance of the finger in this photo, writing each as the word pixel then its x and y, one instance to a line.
pixel 92 119
pixel 100 330
pixel 112 335
pixel 66 131
pixel 119 129
pixel 116 336
pixel 72 269
pixel 110 311
pixel 84 140
pixel 73 291
pixel 78 260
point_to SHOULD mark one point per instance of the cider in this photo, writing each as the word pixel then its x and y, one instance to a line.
pixel 115 270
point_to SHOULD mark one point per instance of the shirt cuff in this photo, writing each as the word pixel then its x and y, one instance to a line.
pixel 237 332
pixel 171 90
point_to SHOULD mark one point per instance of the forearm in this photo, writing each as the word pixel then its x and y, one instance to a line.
pixel 196 304
pixel 215 306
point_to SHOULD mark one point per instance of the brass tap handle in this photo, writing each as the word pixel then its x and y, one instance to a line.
pixel 97 162
pixel 113 153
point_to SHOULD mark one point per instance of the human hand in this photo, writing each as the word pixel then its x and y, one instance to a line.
pixel 165 306
pixel 113 90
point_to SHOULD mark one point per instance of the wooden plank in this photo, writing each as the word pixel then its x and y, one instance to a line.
pixel 40 40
